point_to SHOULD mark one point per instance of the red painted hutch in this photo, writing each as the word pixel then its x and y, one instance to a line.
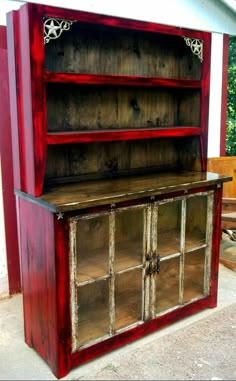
pixel 119 222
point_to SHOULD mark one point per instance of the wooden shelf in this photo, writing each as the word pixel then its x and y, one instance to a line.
pixel 169 242
pixel 101 136
pixel 103 192
pixel 97 263
pixel 119 80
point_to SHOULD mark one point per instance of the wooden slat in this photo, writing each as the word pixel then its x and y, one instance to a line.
pixel 102 136
pixel 95 79
pixel 231 217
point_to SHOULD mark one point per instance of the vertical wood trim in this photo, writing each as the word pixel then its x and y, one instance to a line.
pixel 25 93
pixel 38 93
pixel 73 290
pixel 33 97
pixel 224 95
pixel 205 98
pixel 216 237
pixel 17 133
pixel 9 206
pixel 25 271
pixel 182 250
pixel 147 251
pixel 209 229
pixel 62 365
pixel 153 253
pixel 112 229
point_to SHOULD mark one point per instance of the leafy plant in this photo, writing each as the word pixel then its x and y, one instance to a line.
pixel 231 101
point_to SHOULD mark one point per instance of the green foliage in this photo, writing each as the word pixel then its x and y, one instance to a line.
pixel 231 101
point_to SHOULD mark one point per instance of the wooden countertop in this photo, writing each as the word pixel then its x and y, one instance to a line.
pixel 75 196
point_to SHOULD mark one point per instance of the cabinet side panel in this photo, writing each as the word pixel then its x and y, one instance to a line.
pixel 38 278
pixel 216 245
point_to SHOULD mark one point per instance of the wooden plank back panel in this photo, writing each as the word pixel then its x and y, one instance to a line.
pixel 106 160
pixel 75 108
pixel 109 50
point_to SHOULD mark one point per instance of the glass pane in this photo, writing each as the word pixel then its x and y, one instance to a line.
pixel 128 298
pixel 167 286
pixel 196 214
pixel 129 239
pixel 194 274
pixel 168 228
pixel 93 311
pixel 93 247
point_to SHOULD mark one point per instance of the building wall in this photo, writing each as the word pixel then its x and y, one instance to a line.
pixel 4 289
pixel 214 16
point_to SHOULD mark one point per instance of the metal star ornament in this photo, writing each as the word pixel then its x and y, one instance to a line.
pixel 53 28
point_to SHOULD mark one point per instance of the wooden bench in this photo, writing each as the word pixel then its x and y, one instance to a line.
pixel 226 165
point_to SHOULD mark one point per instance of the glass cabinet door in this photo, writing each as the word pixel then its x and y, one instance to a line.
pixel 182 243
pixel 128 266
pixel 169 218
pixel 107 251
pixel 198 246
pixel 90 278
pixel 167 242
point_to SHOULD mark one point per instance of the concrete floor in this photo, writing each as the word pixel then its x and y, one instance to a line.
pixel 201 347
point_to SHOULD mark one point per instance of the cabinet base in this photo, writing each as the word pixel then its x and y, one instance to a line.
pixel 115 342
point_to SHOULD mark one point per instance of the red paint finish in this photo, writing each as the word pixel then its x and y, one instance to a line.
pixel 136 333
pixel 102 136
pixel 44 239
pixel 33 78
pixel 45 282
pixel 39 280
pixel 121 80
pixel 117 22
pixel 15 89
pixel 24 81
pixel 36 50
pixel 224 95
pixel 63 296
pixel 3 37
pixel 13 265
pixel 46 289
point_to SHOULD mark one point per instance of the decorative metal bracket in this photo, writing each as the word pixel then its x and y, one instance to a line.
pixel 196 46
pixel 53 28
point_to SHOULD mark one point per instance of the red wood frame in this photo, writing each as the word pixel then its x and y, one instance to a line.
pixel 46 281
pixel 224 95
pixel 10 220
pixel 33 78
